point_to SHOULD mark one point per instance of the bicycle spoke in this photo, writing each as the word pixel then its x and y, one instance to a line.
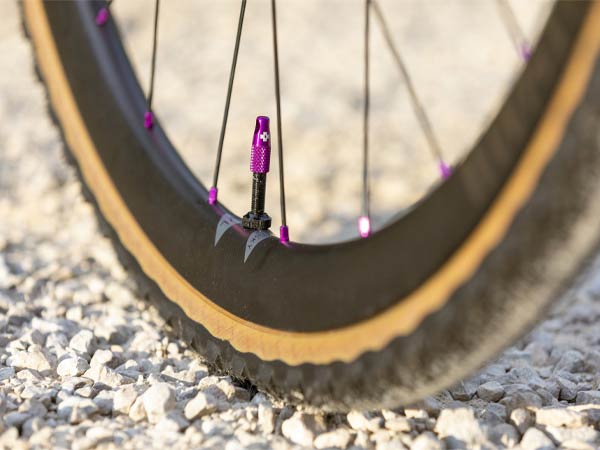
pixel 103 14
pixel 213 192
pixel 364 221
pixel 516 33
pixel 284 235
pixel 417 106
pixel 148 116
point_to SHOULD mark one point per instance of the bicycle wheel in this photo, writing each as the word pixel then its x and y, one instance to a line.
pixel 412 308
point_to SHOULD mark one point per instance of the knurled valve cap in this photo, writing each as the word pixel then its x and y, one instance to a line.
pixel 260 158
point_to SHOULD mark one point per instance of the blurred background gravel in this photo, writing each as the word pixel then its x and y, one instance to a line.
pixel 85 362
pixel 459 53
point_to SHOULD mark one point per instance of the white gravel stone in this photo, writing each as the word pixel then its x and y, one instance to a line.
pixel 34 359
pixel 33 407
pixel 492 391
pixel 560 417
pixel 363 421
pixel 266 418
pixel 493 413
pixel 504 435
pixel 201 405
pixel 302 428
pixel 124 398
pixel 427 441
pixel 76 409
pixel 15 419
pixel 583 434
pixel 158 400
pixel 398 423
pixel 568 389
pixel 103 357
pixel 172 422
pixel 430 405
pixel 339 438
pixel 137 412
pixel 588 397
pixel 86 391
pixel 107 376
pixel 571 361
pixel 6 373
pixel 32 425
pixel 522 399
pixel 99 435
pixel 84 341
pixel 459 427
pixel 72 366
pixel 522 419
pixel 104 401
pixel 534 439
pixel 463 391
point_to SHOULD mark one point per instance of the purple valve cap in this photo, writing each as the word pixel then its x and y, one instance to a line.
pixel 148 120
pixel 102 16
pixel 260 155
pixel 212 195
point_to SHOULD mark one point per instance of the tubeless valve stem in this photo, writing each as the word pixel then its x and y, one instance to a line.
pixel 260 155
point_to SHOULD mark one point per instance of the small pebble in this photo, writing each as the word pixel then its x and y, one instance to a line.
pixel 201 405
pixel 560 417
pixel 302 428
pixel 84 341
pixel 339 438
pixel 492 391
pixel 72 367
pixel 158 400
pixel 534 439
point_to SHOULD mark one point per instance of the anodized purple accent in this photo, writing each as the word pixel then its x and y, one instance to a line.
pixel 102 16
pixel 525 51
pixel 364 226
pixel 148 120
pixel 445 170
pixel 212 195
pixel 260 154
pixel 284 234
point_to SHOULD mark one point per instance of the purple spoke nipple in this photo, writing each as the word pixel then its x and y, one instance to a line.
pixel 102 16
pixel 364 226
pixel 525 51
pixel 212 195
pixel 284 234
pixel 148 120
pixel 445 170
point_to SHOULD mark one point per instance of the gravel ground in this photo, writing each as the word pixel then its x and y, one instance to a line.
pixel 85 363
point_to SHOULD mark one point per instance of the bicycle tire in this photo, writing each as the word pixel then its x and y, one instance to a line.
pixel 315 324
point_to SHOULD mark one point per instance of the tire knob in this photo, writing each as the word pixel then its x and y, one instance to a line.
pixel 260 158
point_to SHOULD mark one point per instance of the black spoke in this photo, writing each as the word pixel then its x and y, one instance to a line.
pixel 212 195
pixel 364 222
pixel 516 33
pixel 418 108
pixel 283 230
pixel 148 116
